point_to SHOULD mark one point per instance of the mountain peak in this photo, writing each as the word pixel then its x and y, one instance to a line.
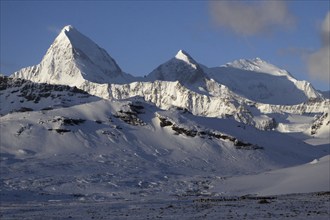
pixel 93 62
pixel 67 28
pixel 181 54
pixel 73 59
pixel 67 33
pixel 182 68
pixel 185 57
pixel 258 65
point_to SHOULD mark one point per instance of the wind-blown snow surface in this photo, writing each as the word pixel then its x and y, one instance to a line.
pixel 188 138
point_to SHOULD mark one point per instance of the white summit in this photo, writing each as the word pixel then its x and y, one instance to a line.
pixel 182 68
pixel 72 60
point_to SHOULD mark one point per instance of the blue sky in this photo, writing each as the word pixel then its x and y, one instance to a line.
pixel 140 35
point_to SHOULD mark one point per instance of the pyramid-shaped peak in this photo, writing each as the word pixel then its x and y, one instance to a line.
pixel 73 34
pixel 183 55
pixel 72 59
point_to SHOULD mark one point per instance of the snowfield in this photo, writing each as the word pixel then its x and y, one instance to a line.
pixel 81 139
pixel 93 155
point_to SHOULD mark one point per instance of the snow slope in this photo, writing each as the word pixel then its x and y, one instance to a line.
pixel 309 177
pixel 114 148
pixel 262 82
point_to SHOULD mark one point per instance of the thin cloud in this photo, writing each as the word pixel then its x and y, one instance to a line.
pixel 318 62
pixel 251 18
pixel 295 51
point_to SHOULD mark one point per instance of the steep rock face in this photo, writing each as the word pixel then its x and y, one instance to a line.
pixel 321 126
pixel 263 82
pixel 72 60
pixel 168 94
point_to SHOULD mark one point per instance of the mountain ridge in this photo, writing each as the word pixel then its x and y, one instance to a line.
pixel 225 91
pixel 73 59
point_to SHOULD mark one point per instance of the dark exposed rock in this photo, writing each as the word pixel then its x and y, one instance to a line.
pixel 221 136
pixel 164 122
pixel 246 146
pixel 318 123
pixel 34 92
pixel 263 201
pixel 180 130
pixel 68 121
pixel 138 109
pixel 24 109
pixel 47 109
pixel 131 116
pixel 241 145
pixel 59 130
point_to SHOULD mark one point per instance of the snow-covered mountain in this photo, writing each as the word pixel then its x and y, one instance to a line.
pixel 73 59
pixel 77 128
pixel 263 82
pixel 251 91
pixel 182 68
